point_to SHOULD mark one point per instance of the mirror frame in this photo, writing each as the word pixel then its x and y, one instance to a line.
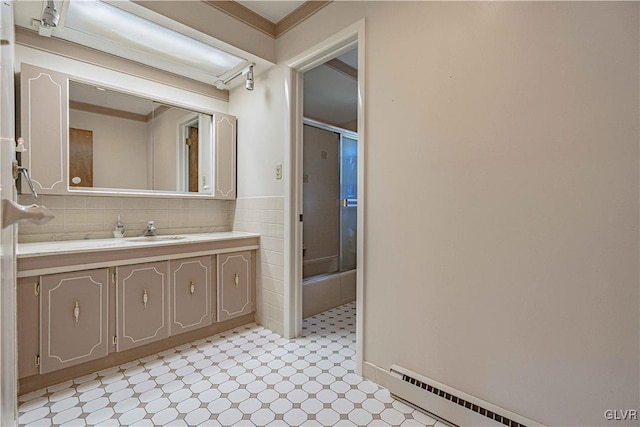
pixel 56 87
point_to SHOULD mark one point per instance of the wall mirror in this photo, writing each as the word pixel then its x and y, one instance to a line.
pixel 88 137
pixel 118 141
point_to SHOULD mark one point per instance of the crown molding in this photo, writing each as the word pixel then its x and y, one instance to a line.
pixel 305 11
pixel 255 21
pixel 244 15
pixel 342 67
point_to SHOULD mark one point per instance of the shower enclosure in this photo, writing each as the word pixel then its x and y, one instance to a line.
pixel 330 203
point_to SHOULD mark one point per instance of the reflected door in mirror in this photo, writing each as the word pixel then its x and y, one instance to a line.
pixel 80 158
pixel 193 159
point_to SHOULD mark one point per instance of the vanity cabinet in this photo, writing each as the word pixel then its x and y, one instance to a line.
pixel 89 304
pixel 235 290
pixel 43 101
pixel 225 157
pixel 190 294
pixel 73 320
pixel 141 304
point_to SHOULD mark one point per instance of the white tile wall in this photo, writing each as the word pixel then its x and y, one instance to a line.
pixel 265 215
pixel 89 217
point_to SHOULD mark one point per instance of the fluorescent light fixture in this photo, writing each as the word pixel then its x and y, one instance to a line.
pixel 124 34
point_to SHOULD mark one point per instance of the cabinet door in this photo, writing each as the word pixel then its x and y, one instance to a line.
pixel 142 294
pixel 225 157
pixel 43 96
pixel 235 288
pixel 28 312
pixel 190 294
pixel 73 320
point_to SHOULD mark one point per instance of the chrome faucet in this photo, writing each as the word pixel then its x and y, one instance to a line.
pixel 150 230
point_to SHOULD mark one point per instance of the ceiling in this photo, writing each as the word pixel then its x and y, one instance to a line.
pixel 273 11
pixel 331 95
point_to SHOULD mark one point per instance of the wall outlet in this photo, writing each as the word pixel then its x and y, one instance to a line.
pixel 278 171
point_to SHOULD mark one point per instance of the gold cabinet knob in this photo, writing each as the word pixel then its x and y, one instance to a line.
pixel 76 311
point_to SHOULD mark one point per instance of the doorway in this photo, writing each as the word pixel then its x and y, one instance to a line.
pixel 336 45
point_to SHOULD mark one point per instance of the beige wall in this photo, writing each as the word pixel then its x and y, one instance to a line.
pixel 165 134
pixel 261 118
pixel 119 149
pixel 502 198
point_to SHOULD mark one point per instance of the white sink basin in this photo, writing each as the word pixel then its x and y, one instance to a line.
pixel 155 238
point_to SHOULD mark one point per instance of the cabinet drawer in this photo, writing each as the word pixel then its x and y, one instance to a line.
pixel 235 287
pixel 73 320
pixel 190 294
pixel 142 294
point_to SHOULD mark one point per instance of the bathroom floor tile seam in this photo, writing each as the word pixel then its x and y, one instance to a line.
pixel 248 376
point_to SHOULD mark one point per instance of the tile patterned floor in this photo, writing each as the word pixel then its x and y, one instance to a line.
pixel 244 377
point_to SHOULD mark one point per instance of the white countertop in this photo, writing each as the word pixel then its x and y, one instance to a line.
pixel 25 250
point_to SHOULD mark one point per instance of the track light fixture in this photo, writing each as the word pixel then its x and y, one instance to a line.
pixel 50 16
pixel 249 83
pixel 247 69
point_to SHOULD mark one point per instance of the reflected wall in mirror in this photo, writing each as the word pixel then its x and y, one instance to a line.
pixel 121 141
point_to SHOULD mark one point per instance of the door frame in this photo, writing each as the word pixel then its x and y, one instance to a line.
pixel 8 235
pixel 339 43
pixel 183 151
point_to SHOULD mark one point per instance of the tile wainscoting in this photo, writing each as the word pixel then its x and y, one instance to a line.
pixel 265 215
pixel 94 217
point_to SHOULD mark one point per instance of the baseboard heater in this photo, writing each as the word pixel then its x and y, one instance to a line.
pixel 450 404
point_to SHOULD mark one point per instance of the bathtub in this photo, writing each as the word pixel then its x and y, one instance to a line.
pixel 322 293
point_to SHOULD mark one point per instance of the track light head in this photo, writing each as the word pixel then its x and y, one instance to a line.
pixel 50 16
pixel 249 83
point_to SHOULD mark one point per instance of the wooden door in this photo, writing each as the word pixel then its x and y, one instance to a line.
pixel 193 159
pixel 80 158
pixel 142 294
pixel 235 288
pixel 74 318
pixel 190 294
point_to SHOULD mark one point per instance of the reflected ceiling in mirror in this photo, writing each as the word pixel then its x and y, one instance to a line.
pixel 122 142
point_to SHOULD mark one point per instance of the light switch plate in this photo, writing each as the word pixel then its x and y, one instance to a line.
pixel 278 171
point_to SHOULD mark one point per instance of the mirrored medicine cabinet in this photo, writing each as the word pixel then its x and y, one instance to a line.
pixel 83 138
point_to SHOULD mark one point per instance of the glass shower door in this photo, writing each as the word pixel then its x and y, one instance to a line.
pixel 348 202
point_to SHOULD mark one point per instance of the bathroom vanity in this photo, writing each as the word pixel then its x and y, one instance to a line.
pixel 86 305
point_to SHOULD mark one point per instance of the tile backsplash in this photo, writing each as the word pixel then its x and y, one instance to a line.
pixel 94 217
